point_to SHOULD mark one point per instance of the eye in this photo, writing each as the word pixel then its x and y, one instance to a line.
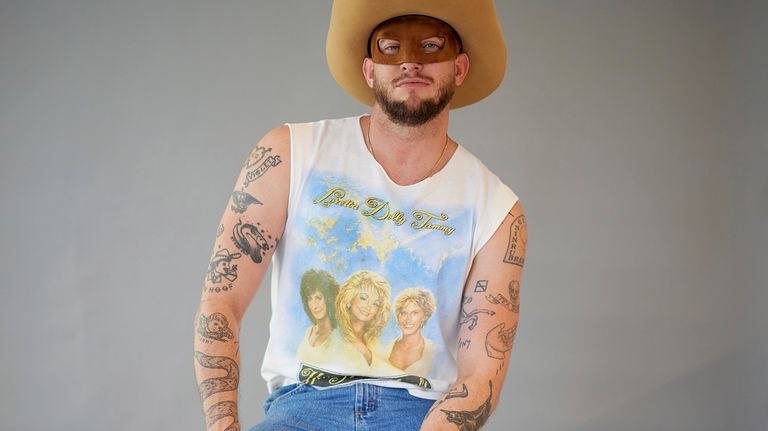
pixel 433 45
pixel 389 47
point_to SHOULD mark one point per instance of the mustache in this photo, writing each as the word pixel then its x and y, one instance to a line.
pixel 415 75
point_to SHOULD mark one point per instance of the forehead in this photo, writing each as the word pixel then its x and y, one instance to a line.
pixel 367 289
pixel 412 25
pixel 411 305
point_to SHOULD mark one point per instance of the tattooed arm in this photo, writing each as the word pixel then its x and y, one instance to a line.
pixel 488 325
pixel 250 229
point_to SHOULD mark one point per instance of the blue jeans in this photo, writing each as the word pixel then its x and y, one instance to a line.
pixel 355 407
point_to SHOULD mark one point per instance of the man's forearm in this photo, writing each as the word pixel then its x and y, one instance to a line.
pixel 466 406
pixel 217 366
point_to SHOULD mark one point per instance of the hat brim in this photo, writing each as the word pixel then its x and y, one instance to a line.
pixel 352 22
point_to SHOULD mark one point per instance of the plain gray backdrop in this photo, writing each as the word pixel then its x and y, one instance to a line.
pixel 634 131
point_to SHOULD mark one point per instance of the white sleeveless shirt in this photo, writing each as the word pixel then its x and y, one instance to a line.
pixel 345 215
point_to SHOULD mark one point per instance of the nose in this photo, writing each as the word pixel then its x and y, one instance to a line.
pixel 409 66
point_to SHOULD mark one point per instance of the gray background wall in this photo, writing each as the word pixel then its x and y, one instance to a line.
pixel 634 131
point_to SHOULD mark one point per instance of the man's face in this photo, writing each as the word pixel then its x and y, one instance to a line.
pixel 222 266
pixel 413 71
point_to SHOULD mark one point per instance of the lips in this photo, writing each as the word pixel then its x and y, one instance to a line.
pixel 412 83
pixel 418 81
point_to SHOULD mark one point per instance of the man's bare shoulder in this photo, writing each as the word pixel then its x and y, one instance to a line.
pixel 279 138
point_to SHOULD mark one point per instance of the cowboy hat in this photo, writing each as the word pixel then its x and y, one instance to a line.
pixel 352 22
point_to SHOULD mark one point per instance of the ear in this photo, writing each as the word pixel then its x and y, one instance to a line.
pixel 460 68
pixel 368 71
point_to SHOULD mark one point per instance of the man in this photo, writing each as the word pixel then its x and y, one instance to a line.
pixel 387 195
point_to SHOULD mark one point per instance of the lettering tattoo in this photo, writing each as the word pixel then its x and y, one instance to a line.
pixel 216 289
pixel 464 343
pixel 221 410
pixel 471 317
pixel 241 201
pixel 471 420
pixel 229 382
pixel 499 341
pixel 250 240
pixel 259 163
pixel 513 303
pixel 481 285
pixel 518 240
pixel 214 327
pixel 221 266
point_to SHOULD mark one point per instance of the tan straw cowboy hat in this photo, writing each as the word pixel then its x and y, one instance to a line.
pixel 352 22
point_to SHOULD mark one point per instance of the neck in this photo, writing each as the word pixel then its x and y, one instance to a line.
pixel 323 325
pixel 409 154
pixel 398 134
pixel 358 327
pixel 412 340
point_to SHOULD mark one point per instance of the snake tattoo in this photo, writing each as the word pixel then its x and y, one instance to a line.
pixel 222 410
pixel 229 382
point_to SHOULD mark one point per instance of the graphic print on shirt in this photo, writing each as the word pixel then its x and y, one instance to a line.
pixel 370 283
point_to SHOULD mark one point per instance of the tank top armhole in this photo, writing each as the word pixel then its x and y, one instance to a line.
pixel 499 203
pixel 300 138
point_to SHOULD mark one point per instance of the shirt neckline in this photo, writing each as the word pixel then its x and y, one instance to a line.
pixel 361 144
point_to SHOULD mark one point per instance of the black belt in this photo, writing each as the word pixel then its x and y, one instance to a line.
pixel 318 377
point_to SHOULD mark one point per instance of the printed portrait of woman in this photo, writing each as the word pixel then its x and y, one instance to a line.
pixel 362 312
pixel 318 294
pixel 411 351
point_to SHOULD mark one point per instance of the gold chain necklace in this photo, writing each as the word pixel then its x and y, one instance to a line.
pixel 431 172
